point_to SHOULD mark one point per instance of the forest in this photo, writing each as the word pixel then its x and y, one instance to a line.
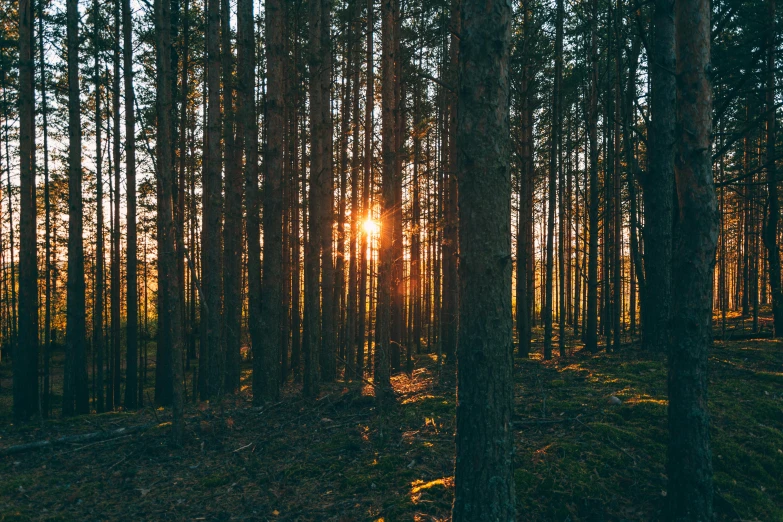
pixel 469 260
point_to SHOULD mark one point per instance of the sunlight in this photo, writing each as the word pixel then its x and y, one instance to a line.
pixel 370 226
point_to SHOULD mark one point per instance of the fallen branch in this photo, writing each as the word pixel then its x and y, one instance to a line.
pixel 84 437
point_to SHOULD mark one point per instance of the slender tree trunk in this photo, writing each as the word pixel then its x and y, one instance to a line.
pixel 484 484
pixel 591 324
pixel 115 263
pixel 266 384
pixel 166 222
pixel 658 183
pixel 773 206
pixel 313 246
pixel 131 249
pixel 98 298
pixel 247 111
pixel 553 166
pixel 450 311
pixel 45 403
pixel 689 466
pixel 25 360
pixel 75 393
pixel 385 284
pixel 232 240
pixel 211 359
pixel 369 108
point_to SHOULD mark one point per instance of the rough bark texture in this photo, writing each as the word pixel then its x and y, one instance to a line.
pixel 658 183
pixel 266 373
pixel 484 485
pixel 689 464
pixel 75 393
pixel 25 360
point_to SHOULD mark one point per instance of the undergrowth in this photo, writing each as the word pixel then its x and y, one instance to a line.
pixel 578 456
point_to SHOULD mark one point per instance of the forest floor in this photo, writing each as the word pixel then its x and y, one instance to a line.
pixel 578 456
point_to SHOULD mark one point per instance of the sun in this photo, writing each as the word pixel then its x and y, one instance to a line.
pixel 370 226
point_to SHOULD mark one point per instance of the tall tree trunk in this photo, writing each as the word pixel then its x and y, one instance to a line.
pixel 388 110
pixel 246 109
pixel 658 183
pixel 211 358
pixel 266 384
pixel 773 205
pixel 131 249
pixel 313 245
pixel 525 220
pixel 484 484
pixel 369 108
pixel 75 393
pixel 553 166
pixel 25 360
pixel 98 298
pixel 45 403
pixel 689 464
pixel 232 240
pixel 168 230
pixel 352 334
pixel 115 262
pixel 326 192
pixel 591 324
pixel 450 311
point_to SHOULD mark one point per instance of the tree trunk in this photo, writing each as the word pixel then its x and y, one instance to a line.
pixel 658 183
pixel 246 109
pixel 115 263
pixel 313 245
pixel 131 249
pixel 773 205
pixel 168 230
pixel 211 359
pixel 591 324
pixel 484 484
pixel 689 464
pixel 25 360
pixel 232 240
pixel 385 284
pixel 100 278
pixel 75 393
pixel 266 384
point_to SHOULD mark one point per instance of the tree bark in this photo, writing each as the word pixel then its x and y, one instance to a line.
pixel 658 183
pixel 484 484
pixel 131 249
pixel 266 384
pixel 75 392
pixel 773 205
pixel 25 360
pixel 211 359
pixel 689 464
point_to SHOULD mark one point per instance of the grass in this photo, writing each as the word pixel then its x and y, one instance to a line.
pixel 577 457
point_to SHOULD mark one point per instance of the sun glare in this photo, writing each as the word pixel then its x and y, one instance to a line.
pixel 370 226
